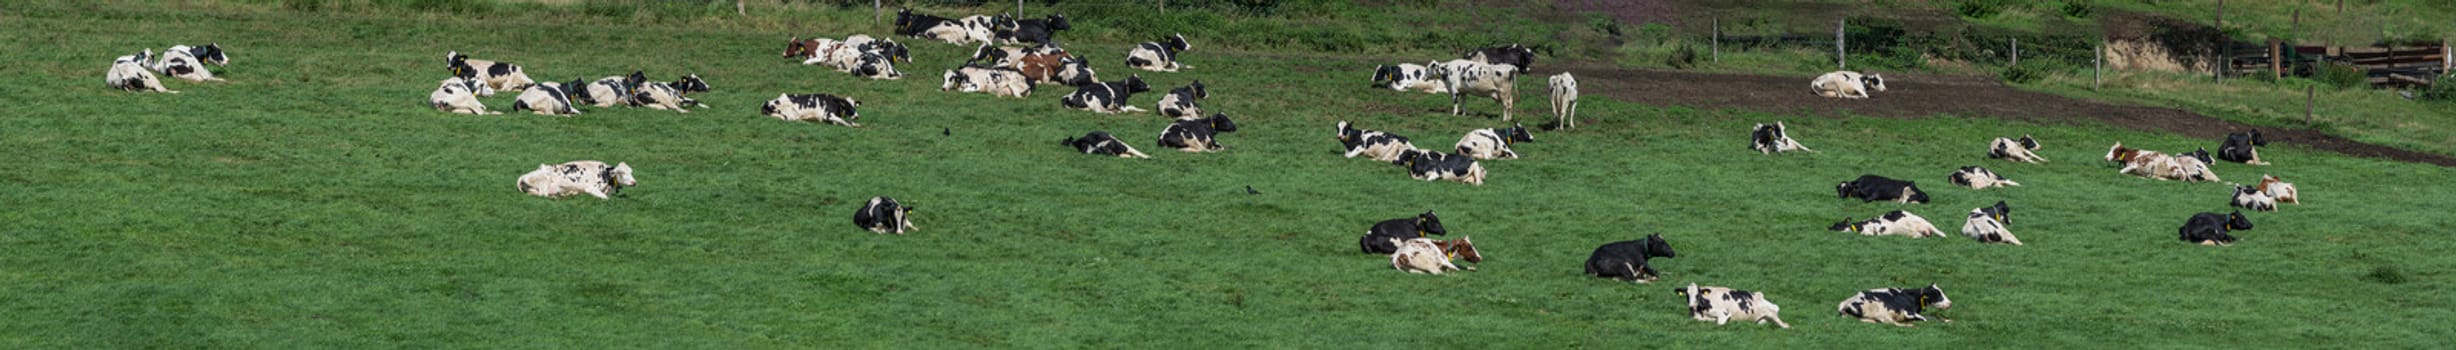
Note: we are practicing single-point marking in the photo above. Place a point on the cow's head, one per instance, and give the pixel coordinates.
(1347, 132)
(1058, 22)
(796, 47)
(986, 52)
(1462, 249)
(1516, 134)
(691, 83)
(1692, 296)
(1846, 225)
(1176, 43)
(1843, 190)
(953, 79)
(1874, 82)
(633, 81)
(2236, 221)
(1384, 75)
(903, 18)
(2118, 153)
(774, 105)
(1933, 296)
(621, 175)
(2202, 154)
(2029, 142)
(1134, 84)
(1656, 247)
(1199, 91)
(1428, 223)
(2256, 139)
(895, 52)
(2000, 212)
(1913, 194)
(459, 66)
(212, 53)
(1220, 122)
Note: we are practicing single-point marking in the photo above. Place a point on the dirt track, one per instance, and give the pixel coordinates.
(1919, 96)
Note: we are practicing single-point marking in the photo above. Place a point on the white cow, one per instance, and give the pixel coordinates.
(1898, 222)
(498, 76)
(1420, 255)
(590, 177)
(995, 81)
(2021, 150)
(1986, 225)
(457, 95)
(1979, 178)
(128, 73)
(1375, 145)
(1565, 100)
(188, 62)
(1498, 81)
(1846, 84)
(2283, 191)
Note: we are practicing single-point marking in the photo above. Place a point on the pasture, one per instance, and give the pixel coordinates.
(315, 201)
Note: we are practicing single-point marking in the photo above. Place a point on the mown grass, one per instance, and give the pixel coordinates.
(315, 202)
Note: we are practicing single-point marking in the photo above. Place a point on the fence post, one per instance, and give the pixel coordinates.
(1018, 10)
(738, 10)
(878, 10)
(1718, 40)
(2309, 94)
(2097, 65)
(2446, 60)
(2225, 47)
(2016, 51)
(1840, 57)
(2276, 59)
(1163, 6)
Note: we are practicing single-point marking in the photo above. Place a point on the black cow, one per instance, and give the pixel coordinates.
(1514, 55)
(1037, 31)
(1100, 142)
(912, 24)
(1627, 260)
(1870, 188)
(1109, 97)
(1377, 240)
(2211, 229)
(884, 215)
(2238, 147)
(1195, 135)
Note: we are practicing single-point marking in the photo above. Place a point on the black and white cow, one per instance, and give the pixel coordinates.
(1564, 89)
(1978, 178)
(814, 107)
(1434, 166)
(458, 95)
(1196, 135)
(548, 98)
(1870, 188)
(1898, 222)
(2213, 229)
(614, 90)
(2022, 150)
(1374, 145)
(1180, 102)
(2250, 197)
(1494, 143)
(932, 27)
(874, 66)
(1159, 56)
(499, 76)
(996, 81)
(1721, 304)
(1986, 225)
(1107, 98)
(1377, 240)
(1472, 78)
(1770, 139)
(189, 62)
(1100, 142)
(1629, 260)
(1036, 31)
(2239, 147)
(884, 215)
(1894, 306)
(593, 178)
(1513, 55)
(128, 73)
(1846, 84)
(997, 56)
(1409, 76)
(668, 96)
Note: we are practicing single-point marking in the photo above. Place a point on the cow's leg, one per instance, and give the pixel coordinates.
(1722, 317)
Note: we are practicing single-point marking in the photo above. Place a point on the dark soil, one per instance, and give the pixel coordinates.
(1920, 96)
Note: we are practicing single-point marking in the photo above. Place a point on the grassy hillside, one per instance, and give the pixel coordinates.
(314, 201)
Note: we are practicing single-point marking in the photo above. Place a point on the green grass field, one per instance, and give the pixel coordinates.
(315, 202)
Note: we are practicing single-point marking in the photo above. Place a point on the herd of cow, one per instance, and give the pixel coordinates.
(1489, 72)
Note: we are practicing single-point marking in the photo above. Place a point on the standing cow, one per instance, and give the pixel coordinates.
(1894, 306)
(1564, 89)
(1628, 260)
(1721, 304)
(1465, 77)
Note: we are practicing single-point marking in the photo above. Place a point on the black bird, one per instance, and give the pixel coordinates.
(1249, 189)
(946, 132)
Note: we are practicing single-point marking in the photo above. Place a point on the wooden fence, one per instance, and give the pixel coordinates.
(2387, 65)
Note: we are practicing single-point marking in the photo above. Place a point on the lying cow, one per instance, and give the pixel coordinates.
(498, 76)
(884, 215)
(2155, 165)
(1771, 139)
(189, 62)
(933, 27)
(1721, 304)
(1100, 142)
(2277, 188)
(2250, 197)
(1408, 76)
(668, 96)
(1564, 91)
(814, 107)
(2212, 229)
(1978, 178)
(2239, 147)
(1382, 238)
(1898, 222)
(547, 98)
(1870, 188)
(1435, 166)
(1374, 145)
(593, 178)
(1465, 77)
(995, 81)
(1514, 55)
(1894, 306)
(1010, 57)
(1057, 68)
(1106, 98)
(1986, 225)
(614, 90)
(458, 95)
(1421, 255)
(1628, 260)
(1846, 84)
(128, 73)
(2022, 150)
(1159, 56)
(1180, 102)
(1035, 31)
(1196, 135)
(1493, 143)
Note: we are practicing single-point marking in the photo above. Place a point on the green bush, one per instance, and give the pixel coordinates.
(1978, 8)
(2342, 76)
(2386, 274)
(1682, 58)
(2023, 74)
(2078, 8)
(2443, 90)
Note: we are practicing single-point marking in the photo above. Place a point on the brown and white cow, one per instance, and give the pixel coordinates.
(1721, 304)
(1421, 255)
(2144, 163)
(2283, 191)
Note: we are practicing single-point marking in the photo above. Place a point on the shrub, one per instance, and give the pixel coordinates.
(2342, 76)
(1978, 8)
(1682, 58)
(2386, 274)
(2078, 8)
(2443, 90)
(2022, 74)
